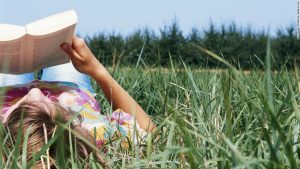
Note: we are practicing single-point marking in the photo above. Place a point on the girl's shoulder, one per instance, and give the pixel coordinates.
(113, 127)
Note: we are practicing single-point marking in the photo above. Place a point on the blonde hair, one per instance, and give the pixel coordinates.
(39, 121)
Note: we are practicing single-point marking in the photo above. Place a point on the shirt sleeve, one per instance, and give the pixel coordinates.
(117, 126)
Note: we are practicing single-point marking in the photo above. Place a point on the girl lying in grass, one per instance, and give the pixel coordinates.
(41, 106)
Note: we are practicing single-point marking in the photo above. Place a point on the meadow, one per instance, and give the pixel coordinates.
(221, 118)
(205, 119)
(213, 119)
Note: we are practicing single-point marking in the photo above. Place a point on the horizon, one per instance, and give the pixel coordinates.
(126, 17)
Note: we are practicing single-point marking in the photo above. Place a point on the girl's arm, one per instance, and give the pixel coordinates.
(85, 62)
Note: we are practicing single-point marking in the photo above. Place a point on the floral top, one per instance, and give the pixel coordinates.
(76, 99)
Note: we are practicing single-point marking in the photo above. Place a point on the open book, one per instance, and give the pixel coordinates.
(37, 45)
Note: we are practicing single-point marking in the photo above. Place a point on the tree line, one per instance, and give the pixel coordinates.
(242, 47)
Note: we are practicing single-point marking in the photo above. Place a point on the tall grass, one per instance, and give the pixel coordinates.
(221, 119)
(225, 119)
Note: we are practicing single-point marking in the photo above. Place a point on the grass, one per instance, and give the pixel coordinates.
(225, 119)
(216, 120)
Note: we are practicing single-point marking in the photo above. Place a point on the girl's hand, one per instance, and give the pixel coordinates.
(81, 56)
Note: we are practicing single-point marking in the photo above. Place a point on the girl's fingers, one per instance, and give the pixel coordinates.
(79, 46)
(70, 52)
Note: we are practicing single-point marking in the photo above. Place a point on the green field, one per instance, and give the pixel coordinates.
(206, 119)
(209, 119)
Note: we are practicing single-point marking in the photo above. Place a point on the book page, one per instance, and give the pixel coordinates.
(12, 49)
(11, 32)
(52, 23)
(45, 51)
(12, 58)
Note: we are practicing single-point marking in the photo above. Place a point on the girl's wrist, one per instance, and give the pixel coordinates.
(93, 68)
(99, 72)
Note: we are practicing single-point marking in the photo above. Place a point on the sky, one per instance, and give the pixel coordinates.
(126, 16)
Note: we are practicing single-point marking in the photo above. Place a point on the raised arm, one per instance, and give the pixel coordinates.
(85, 62)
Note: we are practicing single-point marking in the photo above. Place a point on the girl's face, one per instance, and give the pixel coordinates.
(34, 95)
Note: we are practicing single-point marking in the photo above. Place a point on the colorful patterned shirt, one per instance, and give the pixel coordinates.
(75, 99)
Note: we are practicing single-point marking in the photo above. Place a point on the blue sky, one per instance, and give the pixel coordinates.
(125, 16)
